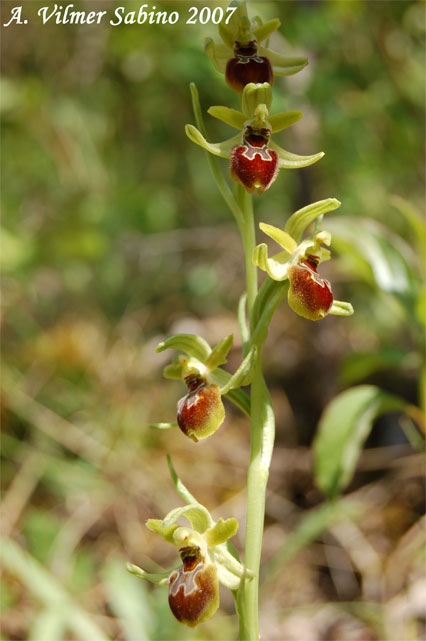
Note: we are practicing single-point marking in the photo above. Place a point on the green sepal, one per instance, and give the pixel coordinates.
(219, 353)
(283, 120)
(264, 30)
(283, 65)
(232, 117)
(281, 237)
(302, 218)
(160, 578)
(222, 149)
(158, 527)
(275, 269)
(255, 95)
(226, 34)
(287, 160)
(219, 54)
(229, 570)
(190, 344)
(163, 426)
(197, 515)
(341, 308)
(221, 532)
(244, 373)
(181, 489)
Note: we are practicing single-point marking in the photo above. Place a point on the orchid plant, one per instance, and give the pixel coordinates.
(206, 555)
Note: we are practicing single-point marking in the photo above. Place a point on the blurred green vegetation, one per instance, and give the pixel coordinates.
(113, 236)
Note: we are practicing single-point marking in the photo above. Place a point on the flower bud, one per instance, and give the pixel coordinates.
(309, 295)
(201, 412)
(194, 588)
(247, 66)
(252, 163)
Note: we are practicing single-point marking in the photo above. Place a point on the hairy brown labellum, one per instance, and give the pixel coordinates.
(194, 588)
(247, 67)
(309, 295)
(252, 163)
(201, 412)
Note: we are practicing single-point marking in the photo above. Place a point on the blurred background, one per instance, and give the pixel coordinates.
(114, 236)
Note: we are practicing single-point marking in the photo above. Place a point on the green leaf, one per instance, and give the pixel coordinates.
(48, 625)
(128, 600)
(190, 344)
(281, 121)
(236, 396)
(389, 261)
(302, 218)
(244, 373)
(219, 353)
(310, 528)
(222, 149)
(232, 117)
(222, 531)
(43, 586)
(342, 431)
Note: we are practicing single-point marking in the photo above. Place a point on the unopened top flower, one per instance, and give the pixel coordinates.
(242, 58)
(255, 157)
(309, 295)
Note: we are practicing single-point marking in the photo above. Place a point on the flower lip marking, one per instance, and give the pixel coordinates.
(252, 163)
(247, 66)
(246, 51)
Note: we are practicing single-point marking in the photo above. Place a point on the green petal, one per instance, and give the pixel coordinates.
(222, 149)
(283, 65)
(274, 269)
(220, 352)
(287, 160)
(158, 527)
(281, 237)
(254, 95)
(302, 218)
(243, 375)
(281, 121)
(161, 578)
(265, 30)
(232, 117)
(174, 371)
(221, 532)
(190, 344)
(341, 308)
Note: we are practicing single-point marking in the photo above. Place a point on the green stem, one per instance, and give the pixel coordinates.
(248, 233)
(261, 445)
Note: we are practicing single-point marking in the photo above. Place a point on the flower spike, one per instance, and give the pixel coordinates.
(309, 295)
(242, 58)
